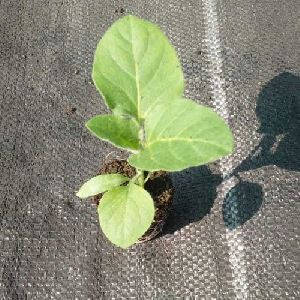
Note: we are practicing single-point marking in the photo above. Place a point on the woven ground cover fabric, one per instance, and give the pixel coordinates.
(233, 230)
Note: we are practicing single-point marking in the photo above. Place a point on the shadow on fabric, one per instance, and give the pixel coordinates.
(195, 192)
(241, 203)
(278, 110)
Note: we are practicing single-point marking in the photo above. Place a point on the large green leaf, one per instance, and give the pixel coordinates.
(100, 184)
(135, 67)
(120, 131)
(181, 135)
(125, 213)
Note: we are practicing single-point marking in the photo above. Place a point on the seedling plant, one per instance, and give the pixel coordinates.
(140, 78)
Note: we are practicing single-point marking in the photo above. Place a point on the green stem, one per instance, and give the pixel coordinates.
(148, 176)
(141, 179)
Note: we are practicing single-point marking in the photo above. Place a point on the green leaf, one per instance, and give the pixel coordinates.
(101, 184)
(136, 67)
(125, 214)
(181, 135)
(119, 131)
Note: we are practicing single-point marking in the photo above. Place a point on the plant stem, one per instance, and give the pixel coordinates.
(141, 179)
(148, 176)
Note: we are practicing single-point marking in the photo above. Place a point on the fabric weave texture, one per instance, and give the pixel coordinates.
(233, 230)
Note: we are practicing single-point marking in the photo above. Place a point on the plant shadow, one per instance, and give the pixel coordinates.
(241, 203)
(278, 110)
(195, 192)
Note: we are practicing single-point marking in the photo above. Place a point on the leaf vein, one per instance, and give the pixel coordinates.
(119, 87)
(189, 140)
(158, 69)
(172, 121)
(120, 67)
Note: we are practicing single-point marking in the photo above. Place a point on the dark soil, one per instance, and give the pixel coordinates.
(71, 110)
(159, 186)
(120, 10)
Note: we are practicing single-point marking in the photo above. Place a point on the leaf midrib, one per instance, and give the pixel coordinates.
(190, 140)
(138, 90)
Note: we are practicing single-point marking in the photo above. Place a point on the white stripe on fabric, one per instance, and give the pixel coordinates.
(234, 237)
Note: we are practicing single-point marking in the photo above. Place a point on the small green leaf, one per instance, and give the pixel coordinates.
(125, 214)
(181, 135)
(136, 67)
(101, 184)
(118, 130)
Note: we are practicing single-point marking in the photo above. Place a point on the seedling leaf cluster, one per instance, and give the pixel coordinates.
(140, 78)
